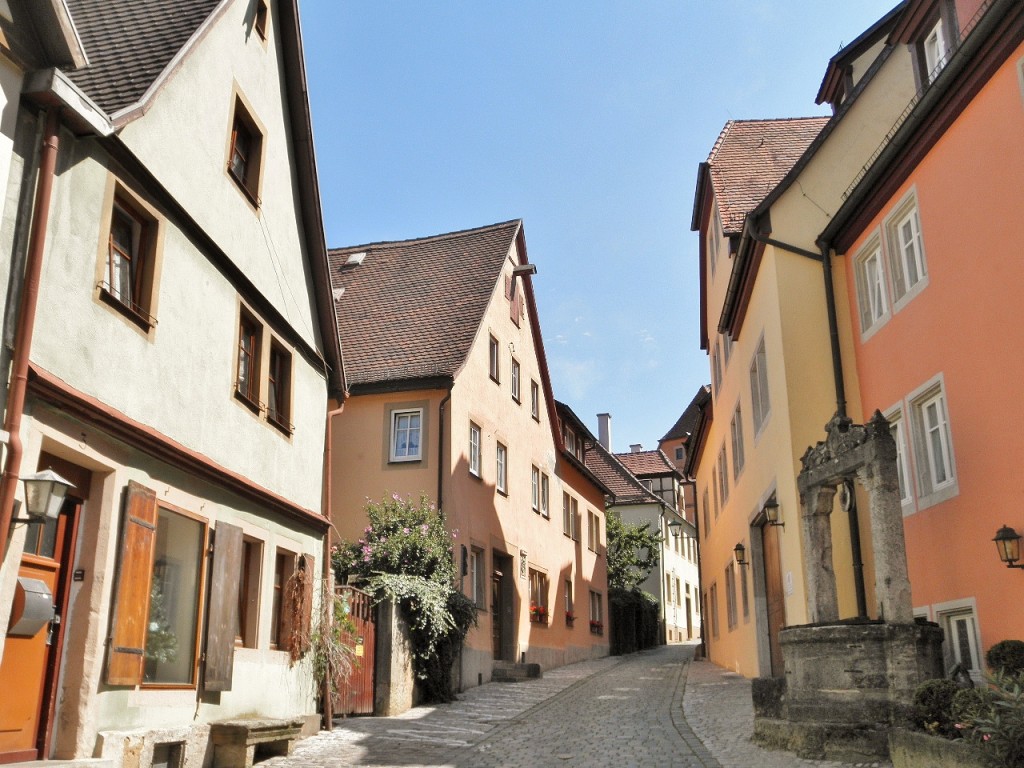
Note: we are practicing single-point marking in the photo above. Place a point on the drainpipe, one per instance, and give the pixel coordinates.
(26, 323)
(440, 446)
(328, 510)
(692, 482)
(833, 330)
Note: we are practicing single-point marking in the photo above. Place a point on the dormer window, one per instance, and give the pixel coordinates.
(259, 22)
(933, 42)
(934, 49)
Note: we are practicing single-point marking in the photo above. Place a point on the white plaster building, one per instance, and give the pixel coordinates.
(183, 353)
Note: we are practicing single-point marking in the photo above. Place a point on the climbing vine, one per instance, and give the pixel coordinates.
(406, 555)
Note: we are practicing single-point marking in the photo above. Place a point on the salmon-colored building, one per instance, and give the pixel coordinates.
(928, 234)
(449, 396)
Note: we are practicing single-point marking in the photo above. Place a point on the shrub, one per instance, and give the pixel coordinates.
(406, 555)
(933, 706)
(970, 704)
(998, 730)
(1006, 656)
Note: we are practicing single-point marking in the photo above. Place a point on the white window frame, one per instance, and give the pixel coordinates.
(723, 474)
(545, 495)
(535, 488)
(896, 243)
(474, 449)
(736, 432)
(396, 415)
(898, 426)
(478, 584)
(761, 404)
(501, 468)
(515, 379)
(946, 616)
(872, 290)
(924, 432)
(936, 50)
(535, 400)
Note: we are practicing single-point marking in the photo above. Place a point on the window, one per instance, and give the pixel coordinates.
(906, 252)
(933, 451)
(566, 515)
(714, 237)
(761, 405)
(284, 567)
(494, 360)
(714, 610)
(502, 469)
(723, 475)
(515, 379)
(895, 419)
(477, 574)
(705, 506)
(249, 593)
(726, 348)
(593, 531)
(736, 430)
(247, 381)
(545, 509)
(474, 449)
(596, 612)
(260, 19)
(715, 486)
(870, 279)
(680, 455)
(538, 597)
(279, 388)
(730, 595)
(961, 646)
(570, 440)
(406, 428)
(716, 367)
(574, 508)
(679, 592)
(569, 603)
(130, 253)
(535, 489)
(245, 154)
(535, 400)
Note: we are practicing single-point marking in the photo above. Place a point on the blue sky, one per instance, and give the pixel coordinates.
(585, 119)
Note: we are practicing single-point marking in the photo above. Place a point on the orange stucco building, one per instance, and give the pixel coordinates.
(932, 278)
(449, 397)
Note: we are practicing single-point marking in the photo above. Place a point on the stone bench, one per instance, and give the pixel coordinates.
(236, 742)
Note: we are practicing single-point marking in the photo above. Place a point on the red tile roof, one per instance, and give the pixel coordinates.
(624, 487)
(751, 157)
(684, 426)
(642, 463)
(412, 308)
(129, 44)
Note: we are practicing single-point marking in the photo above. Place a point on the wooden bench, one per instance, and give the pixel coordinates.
(235, 742)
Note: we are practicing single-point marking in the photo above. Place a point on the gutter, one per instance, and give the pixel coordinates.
(440, 445)
(26, 323)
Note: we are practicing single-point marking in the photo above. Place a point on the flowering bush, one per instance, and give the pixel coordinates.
(405, 554)
(998, 728)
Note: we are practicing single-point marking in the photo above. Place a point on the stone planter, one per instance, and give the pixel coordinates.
(913, 749)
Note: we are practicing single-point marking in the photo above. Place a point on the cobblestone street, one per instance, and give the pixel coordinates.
(656, 708)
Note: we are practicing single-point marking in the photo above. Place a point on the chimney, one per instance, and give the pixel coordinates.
(604, 430)
(635, 448)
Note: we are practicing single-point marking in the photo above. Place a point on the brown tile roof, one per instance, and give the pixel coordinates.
(643, 463)
(624, 487)
(130, 42)
(684, 425)
(412, 308)
(750, 157)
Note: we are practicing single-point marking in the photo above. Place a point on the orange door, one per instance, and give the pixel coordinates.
(775, 597)
(29, 663)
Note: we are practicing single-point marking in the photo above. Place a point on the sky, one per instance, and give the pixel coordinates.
(588, 121)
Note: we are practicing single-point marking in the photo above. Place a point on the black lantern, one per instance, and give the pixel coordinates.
(772, 513)
(741, 554)
(1008, 543)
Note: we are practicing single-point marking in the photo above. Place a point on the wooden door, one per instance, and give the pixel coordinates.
(497, 610)
(775, 597)
(30, 664)
(355, 693)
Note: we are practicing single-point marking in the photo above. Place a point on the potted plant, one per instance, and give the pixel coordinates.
(596, 626)
(570, 617)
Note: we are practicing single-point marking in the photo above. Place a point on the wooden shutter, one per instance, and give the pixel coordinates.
(127, 645)
(222, 618)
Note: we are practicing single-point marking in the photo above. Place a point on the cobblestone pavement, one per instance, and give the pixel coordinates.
(621, 712)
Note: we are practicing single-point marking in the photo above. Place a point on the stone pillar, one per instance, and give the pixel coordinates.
(819, 573)
(892, 582)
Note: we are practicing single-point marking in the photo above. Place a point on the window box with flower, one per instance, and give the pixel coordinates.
(538, 614)
(570, 617)
(596, 627)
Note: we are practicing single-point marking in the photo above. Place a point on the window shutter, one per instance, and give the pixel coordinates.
(222, 618)
(127, 645)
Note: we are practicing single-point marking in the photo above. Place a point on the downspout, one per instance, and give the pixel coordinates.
(328, 511)
(440, 446)
(26, 323)
(692, 482)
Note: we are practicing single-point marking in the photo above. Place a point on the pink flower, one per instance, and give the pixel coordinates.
(986, 737)
(405, 530)
(396, 497)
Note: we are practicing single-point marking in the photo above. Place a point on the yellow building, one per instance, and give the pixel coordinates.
(449, 396)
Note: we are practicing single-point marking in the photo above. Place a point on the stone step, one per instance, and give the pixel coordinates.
(512, 672)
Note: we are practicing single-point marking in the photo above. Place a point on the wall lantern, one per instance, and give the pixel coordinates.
(741, 554)
(44, 496)
(1008, 543)
(772, 512)
(674, 526)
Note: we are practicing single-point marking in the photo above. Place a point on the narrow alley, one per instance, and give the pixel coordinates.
(654, 708)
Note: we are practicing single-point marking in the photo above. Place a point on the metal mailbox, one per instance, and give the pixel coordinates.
(33, 607)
